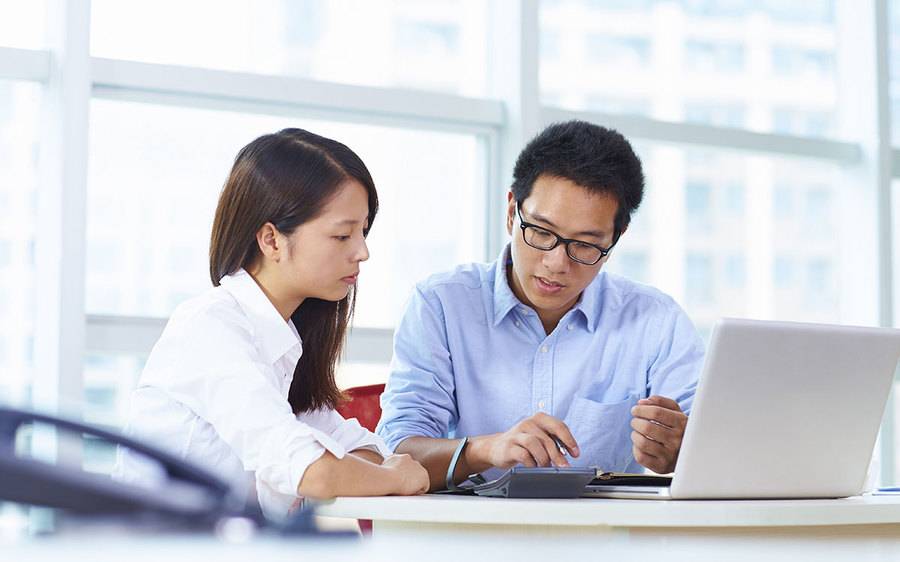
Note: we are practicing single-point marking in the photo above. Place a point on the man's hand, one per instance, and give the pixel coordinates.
(534, 441)
(658, 425)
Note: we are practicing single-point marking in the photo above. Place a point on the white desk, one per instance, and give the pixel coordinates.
(476, 548)
(861, 530)
(872, 517)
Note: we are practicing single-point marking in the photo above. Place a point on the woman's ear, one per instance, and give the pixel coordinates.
(267, 238)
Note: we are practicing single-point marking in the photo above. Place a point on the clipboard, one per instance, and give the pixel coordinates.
(525, 482)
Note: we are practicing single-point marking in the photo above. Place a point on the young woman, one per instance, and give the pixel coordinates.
(242, 379)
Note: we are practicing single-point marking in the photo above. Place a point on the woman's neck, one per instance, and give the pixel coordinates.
(275, 291)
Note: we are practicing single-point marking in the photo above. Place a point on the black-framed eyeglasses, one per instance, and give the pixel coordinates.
(540, 238)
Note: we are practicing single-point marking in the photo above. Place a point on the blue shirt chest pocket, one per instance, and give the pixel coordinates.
(603, 432)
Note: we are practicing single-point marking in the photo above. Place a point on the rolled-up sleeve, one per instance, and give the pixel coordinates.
(676, 369)
(224, 382)
(347, 432)
(419, 397)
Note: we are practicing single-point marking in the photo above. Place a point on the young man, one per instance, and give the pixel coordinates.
(540, 358)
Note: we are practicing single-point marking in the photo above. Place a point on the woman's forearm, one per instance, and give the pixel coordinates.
(369, 455)
(351, 475)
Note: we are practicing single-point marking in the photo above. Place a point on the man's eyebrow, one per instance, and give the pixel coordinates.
(545, 220)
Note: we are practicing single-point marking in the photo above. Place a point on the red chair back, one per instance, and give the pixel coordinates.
(364, 405)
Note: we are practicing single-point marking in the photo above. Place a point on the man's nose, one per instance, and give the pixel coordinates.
(557, 260)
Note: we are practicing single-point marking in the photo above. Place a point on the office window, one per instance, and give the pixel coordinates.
(633, 265)
(624, 5)
(713, 113)
(783, 201)
(784, 272)
(798, 13)
(618, 51)
(717, 8)
(610, 104)
(551, 45)
(733, 202)
(360, 373)
(698, 206)
(792, 62)
(819, 208)
(152, 193)
(803, 123)
(637, 47)
(894, 66)
(438, 45)
(108, 381)
(19, 127)
(700, 280)
(735, 271)
(808, 12)
(22, 24)
(731, 234)
(714, 57)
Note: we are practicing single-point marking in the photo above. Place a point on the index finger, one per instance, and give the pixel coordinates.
(662, 402)
(665, 416)
(558, 429)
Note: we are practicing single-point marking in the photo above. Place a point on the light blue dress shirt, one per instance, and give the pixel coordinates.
(471, 359)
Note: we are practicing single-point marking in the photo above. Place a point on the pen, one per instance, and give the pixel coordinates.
(562, 448)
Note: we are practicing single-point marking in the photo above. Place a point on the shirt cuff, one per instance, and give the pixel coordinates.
(285, 458)
(354, 436)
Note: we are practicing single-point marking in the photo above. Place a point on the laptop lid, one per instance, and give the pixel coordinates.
(786, 410)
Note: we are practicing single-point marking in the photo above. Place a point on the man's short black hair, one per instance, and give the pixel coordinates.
(599, 159)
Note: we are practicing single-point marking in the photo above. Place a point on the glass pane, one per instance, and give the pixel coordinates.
(750, 236)
(435, 45)
(159, 170)
(731, 63)
(894, 62)
(108, 382)
(23, 24)
(360, 373)
(19, 124)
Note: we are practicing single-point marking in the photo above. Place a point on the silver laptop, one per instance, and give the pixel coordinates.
(782, 410)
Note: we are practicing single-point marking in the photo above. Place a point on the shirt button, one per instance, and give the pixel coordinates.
(541, 404)
(570, 327)
(518, 323)
(544, 349)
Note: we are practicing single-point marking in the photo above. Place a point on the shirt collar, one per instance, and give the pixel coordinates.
(589, 303)
(274, 336)
(505, 300)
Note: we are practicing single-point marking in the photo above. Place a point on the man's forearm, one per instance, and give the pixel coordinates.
(435, 454)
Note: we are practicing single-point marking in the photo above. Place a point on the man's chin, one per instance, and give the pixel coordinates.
(546, 303)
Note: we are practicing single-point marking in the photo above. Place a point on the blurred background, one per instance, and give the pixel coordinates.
(766, 130)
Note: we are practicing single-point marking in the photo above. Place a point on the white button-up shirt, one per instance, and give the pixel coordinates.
(214, 391)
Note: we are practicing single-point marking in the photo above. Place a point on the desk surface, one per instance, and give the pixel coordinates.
(866, 510)
(523, 549)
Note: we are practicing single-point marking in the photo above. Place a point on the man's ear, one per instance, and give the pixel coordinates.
(510, 212)
(268, 242)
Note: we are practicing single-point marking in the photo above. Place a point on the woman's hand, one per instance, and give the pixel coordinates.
(411, 477)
